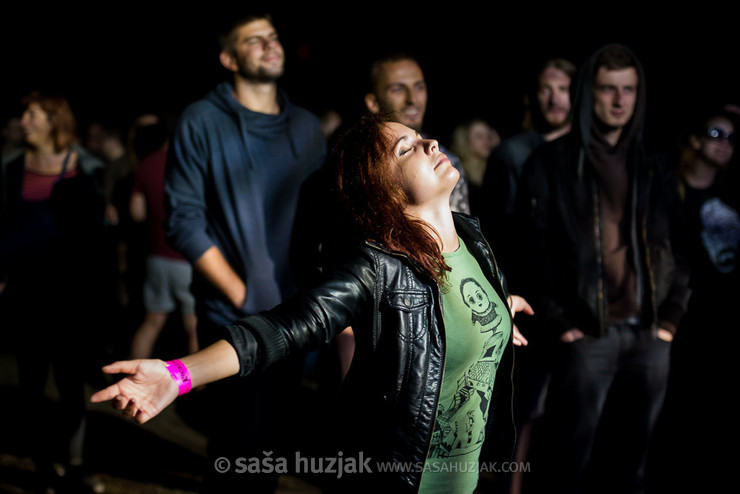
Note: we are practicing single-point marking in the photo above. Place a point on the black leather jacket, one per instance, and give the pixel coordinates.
(390, 395)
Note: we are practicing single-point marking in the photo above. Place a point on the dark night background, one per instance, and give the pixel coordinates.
(118, 60)
(114, 62)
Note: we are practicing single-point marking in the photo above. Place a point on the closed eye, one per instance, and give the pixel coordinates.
(406, 141)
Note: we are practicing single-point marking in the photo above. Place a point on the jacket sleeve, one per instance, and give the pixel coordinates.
(306, 320)
(532, 270)
(672, 308)
(185, 191)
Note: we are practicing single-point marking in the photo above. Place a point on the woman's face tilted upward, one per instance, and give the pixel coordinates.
(423, 172)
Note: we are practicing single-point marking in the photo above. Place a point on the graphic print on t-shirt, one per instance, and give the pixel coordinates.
(461, 419)
(720, 234)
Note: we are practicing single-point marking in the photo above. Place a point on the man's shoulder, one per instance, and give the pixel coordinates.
(200, 108)
(524, 141)
(203, 117)
(562, 147)
(302, 116)
(295, 110)
(88, 161)
(524, 136)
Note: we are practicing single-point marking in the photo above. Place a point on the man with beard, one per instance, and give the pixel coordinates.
(602, 232)
(235, 167)
(547, 118)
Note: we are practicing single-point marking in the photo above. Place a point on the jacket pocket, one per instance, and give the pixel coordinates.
(408, 310)
(405, 319)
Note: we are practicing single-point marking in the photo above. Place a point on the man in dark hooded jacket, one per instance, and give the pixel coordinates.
(235, 167)
(607, 280)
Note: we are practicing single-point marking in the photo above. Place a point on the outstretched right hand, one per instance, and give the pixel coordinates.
(141, 395)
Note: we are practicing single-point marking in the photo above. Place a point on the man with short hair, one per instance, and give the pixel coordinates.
(547, 117)
(604, 268)
(236, 164)
(397, 84)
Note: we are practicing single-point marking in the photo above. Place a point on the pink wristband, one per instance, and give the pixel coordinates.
(180, 374)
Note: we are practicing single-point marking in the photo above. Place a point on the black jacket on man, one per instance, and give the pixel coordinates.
(563, 243)
(560, 231)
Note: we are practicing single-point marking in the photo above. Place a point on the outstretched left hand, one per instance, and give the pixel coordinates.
(144, 393)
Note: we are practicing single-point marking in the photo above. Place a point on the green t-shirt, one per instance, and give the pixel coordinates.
(478, 326)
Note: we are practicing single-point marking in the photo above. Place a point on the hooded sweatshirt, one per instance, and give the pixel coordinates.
(599, 227)
(233, 180)
(611, 169)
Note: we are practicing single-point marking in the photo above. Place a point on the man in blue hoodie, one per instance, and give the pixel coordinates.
(236, 164)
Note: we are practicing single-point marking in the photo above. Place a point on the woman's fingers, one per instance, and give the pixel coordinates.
(121, 367)
(106, 394)
(131, 410)
(519, 339)
(519, 304)
(119, 402)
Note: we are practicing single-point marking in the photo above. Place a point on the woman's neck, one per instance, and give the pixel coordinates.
(440, 219)
(46, 160)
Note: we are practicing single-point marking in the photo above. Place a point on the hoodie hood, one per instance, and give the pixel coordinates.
(582, 97)
(254, 124)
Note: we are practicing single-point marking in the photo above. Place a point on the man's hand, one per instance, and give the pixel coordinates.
(213, 265)
(571, 335)
(665, 335)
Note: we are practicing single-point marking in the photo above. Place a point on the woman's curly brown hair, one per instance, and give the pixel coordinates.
(373, 198)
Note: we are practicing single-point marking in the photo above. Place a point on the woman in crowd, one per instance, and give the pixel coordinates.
(473, 141)
(51, 258)
(428, 392)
